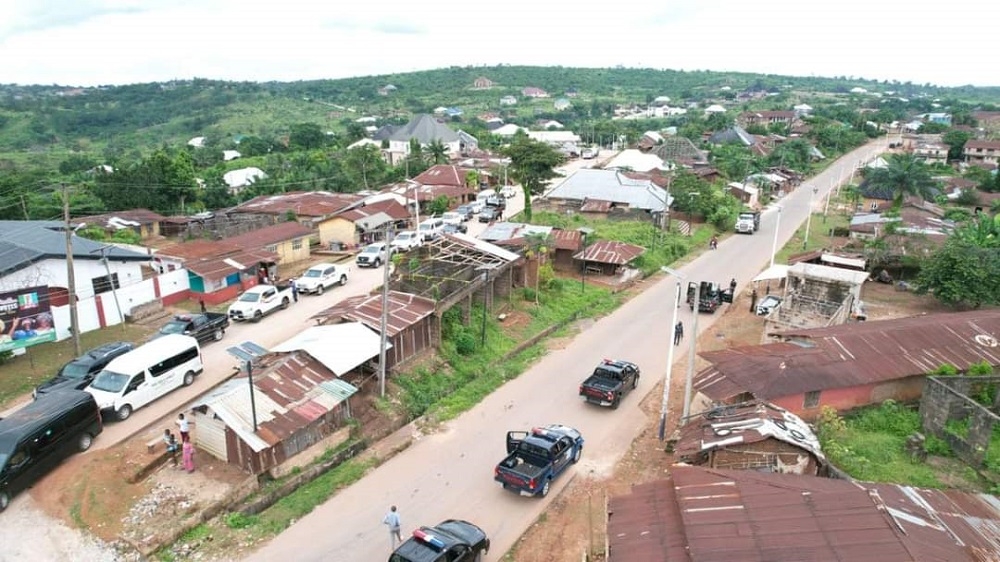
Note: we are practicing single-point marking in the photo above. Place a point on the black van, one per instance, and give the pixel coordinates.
(78, 373)
(36, 438)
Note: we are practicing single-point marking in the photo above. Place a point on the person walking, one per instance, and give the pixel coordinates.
(753, 302)
(678, 333)
(392, 520)
(184, 427)
(188, 449)
(732, 286)
(295, 290)
(202, 303)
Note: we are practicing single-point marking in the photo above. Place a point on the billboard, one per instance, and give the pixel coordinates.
(25, 318)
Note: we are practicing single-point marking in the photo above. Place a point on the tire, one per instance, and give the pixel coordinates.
(616, 402)
(479, 557)
(86, 440)
(188, 378)
(635, 382)
(257, 315)
(343, 280)
(545, 488)
(124, 412)
(217, 335)
(577, 454)
(284, 303)
(4, 500)
(320, 289)
(378, 262)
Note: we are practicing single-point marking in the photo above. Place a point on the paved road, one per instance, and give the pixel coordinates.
(450, 474)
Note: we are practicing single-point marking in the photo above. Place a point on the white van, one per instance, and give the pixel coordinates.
(430, 229)
(146, 373)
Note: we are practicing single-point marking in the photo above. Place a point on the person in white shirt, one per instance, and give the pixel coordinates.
(392, 520)
(184, 427)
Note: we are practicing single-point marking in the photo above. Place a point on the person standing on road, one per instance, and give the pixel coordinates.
(184, 426)
(753, 302)
(678, 333)
(392, 520)
(295, 290)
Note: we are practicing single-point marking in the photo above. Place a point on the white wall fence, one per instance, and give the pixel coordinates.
(99, 311)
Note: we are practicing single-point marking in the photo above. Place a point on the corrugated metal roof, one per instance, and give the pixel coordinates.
(281, 232)
(302, 203)
(214, 259)
(853, 354)
(612, 185)
(595, 206)
(339, 347)
(828, 273)
(290, 390)
(610, 251)
(746, 516)
(405, 310)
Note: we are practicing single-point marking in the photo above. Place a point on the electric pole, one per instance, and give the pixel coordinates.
(74, 320)
(111, 281)
(383, 326)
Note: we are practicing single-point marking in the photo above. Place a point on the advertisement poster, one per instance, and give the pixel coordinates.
(25, 318)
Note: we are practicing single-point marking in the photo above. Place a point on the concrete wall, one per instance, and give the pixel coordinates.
(946, 399)
(337, 229)
(844, 399)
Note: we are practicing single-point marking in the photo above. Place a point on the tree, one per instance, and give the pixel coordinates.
(437, 152)
(955, 140)
(962, 274)
(904, 174)
(532, 164)
(365, 161)
(307, 136)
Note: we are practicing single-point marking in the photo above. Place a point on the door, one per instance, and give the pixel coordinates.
(211, 436)
(137, 392)
(562, 452)
(514, 438)
(692, 291)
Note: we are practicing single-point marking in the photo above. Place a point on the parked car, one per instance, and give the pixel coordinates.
(452, 217)
(590, 153)
(257, 302)
(374, 255)
(79, 372)
(36, 438)
(609, 382)
(537, 457)
(202, 327)
(490, 214)
(466, 211)
(453, 228)
(405, 241)
(430, 229)
(320, 277)
(508, 191)
(453, 540)
(476, 206)
(767, 304)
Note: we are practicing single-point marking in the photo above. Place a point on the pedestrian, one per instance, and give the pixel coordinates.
(713, 243)
(295, 290)
(172, 448)
(392, 520)
(753, 302)
(184, 426)
(188, 449)
(732, 286)
(166, 437)
(678, 333)
(203, 309)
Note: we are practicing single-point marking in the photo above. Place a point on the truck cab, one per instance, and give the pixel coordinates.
(748, 222)
(535, 458)
(710, 296)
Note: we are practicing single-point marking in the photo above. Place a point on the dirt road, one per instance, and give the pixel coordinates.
(449, 474)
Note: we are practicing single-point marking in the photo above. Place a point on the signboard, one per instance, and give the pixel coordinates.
(25, 318)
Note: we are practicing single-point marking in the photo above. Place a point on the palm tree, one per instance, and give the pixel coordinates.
(904, 174)
(437, 152)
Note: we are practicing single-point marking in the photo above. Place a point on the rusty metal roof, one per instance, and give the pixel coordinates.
(744, 424)
(302, 203)
(141, 216)
(405, 310)
(748, 516)
(390, 207)
(853, 354)
(595, 206)
(262, 237)
(216, 259)
(610, 251)
(442, 174)
(290, 391)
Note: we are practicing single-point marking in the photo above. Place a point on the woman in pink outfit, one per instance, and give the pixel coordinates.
(188, 456)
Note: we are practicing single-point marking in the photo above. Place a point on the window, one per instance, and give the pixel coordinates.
(272, 248)
(297, 244)
(103, 284)
(173, 362)
(811, 400)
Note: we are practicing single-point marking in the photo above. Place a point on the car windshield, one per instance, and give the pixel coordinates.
(404, 236)
(372, 250)
(109, 381)
(313, 273)
(75, 370)
(249, 297)
(427, 227)
(175, 327)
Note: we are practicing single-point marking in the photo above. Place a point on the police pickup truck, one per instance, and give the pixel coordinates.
(610, 381)
(453, 540)
(537, 457)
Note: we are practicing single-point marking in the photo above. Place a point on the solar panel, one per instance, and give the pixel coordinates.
(253, 348)
(240, 354)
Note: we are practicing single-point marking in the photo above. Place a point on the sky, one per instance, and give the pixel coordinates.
(105, 42)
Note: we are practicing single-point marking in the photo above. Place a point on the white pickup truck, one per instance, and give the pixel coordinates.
(320, 277)
(259, 301)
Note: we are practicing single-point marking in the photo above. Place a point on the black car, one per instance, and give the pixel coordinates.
(453, 228)
(78, 373)
(453, 540)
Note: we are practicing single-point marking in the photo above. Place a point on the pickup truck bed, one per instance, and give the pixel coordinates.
(609, 382)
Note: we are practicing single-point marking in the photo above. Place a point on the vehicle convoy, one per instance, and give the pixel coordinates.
(453, 217)
(710, 296)
(202, 327)
(405, 241)
(321, 277)
(374, 255)
(78, 373)
(748, 222)
(453, 540)
(537, 457)
(36, 438)
(611, 380)
(259, 301)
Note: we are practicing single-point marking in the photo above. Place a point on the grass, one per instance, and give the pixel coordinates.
(21, 374)
(820, 235)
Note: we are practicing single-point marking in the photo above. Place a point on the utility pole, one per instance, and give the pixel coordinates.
(383, 326)
(24, 208)
(111, 281)
(74, 320)
(688, 381)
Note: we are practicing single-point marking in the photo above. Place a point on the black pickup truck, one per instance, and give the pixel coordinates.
(611, 380)
(710, 296)
(203, 327)
(537, 457)
(453, 540)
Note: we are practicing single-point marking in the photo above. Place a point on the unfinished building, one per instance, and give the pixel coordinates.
(816, 296)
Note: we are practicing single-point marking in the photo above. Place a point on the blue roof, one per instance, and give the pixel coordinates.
(23, 243)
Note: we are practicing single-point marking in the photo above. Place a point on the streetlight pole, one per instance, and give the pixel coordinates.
(384, 321)
(809, 216)
(664, 406)
(774, 245)
(688, 381)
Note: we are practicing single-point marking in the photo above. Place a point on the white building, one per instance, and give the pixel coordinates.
(238, 179)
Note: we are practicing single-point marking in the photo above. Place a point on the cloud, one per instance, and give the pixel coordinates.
(398, 28)
(41, 15)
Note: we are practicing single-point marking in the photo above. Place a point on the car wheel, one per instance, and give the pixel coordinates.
(479, 557)
(86, 440)
(378, 262)
(635, 382)
(343, 280)
(616, 402)
(124, 412)
(4, 500)
(284, 303)
(576, 454)
(188, 378)
(320, 289)
(257, 315)
(217, 335)
(545, 488)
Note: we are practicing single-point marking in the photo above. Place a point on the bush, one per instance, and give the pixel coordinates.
(237, 520)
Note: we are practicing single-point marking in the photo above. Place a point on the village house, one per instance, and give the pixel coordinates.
(931, 153)
(217, 270)
(607, 257)
(310, 208)
(143, 222)
(425, 129)
(766, 118)
(297, 402)
(443, 180)
(482, 83)
(608, 191)
(533, 92)
(238, 180)
(849, 365)
(753, 436)
(700, 514)
(361, 224)
(289, 240)
(987, 151)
